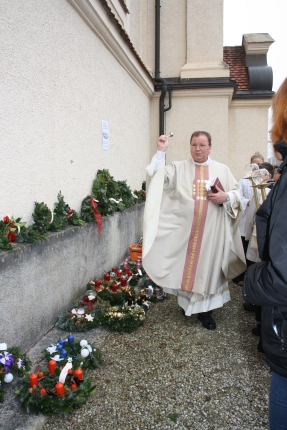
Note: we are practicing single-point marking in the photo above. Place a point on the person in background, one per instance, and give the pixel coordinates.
(246, 193)
(191, 242)
(265, 282)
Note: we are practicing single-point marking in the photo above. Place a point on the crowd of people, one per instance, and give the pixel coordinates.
(203, 228)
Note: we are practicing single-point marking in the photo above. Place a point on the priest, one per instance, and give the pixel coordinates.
(191, 241)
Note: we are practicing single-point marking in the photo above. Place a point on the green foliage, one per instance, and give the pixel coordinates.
(104, 187)
(21, 365)
(60, 220)
(69, 321)
(173, 417)
(50, 403)
(30, 235)
(74, 218)
(141, 194)
(118, 298)
(42, 217)
(9, 232)
(87, 210)
(4, 242)
(123, 319)
(124, 192)
(64, 215)
(112, 196)
(76, 392)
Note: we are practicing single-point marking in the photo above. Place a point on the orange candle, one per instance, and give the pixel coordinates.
(52, 366)
(60, 389)
(33, 380)
(79, 374)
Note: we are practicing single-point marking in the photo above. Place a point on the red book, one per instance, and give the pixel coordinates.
(212, 184)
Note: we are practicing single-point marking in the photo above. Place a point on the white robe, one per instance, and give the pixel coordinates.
(168, 220)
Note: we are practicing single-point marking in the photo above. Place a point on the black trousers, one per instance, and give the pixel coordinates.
(240, 277)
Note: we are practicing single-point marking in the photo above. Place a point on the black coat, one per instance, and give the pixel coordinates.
(265, 283)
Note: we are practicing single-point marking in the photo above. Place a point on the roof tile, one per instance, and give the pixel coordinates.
(234, 56)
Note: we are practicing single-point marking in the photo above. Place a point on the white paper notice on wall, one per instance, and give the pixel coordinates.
(105, 135)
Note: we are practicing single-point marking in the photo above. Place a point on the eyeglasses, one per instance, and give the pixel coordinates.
(201, 146)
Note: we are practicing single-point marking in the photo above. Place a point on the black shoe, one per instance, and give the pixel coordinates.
(257, 330)
(249, 307)
(207, 320)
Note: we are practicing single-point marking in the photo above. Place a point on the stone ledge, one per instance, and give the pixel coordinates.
(39, 281)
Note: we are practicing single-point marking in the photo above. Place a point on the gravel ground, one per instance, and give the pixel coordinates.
(170, 374)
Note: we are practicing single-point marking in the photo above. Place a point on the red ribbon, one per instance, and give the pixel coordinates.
(97, 215)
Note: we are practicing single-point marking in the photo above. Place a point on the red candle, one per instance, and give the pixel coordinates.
(114, 269)
(52, 366)
(33, 380)
(60, 389)
(106, 277)
(79, 374)
(126, 270)
(97, 283)
(130, 273)
(114, 287)
(119, 274)
(123, 282)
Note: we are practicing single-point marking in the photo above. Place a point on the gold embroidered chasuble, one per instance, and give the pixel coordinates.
(190, 245)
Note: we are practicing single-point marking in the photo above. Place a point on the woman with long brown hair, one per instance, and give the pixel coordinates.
(265, 283)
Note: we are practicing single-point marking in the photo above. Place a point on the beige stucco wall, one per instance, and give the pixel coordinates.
(58, 81)
(204, 30)
(191, 36)
(248, 132)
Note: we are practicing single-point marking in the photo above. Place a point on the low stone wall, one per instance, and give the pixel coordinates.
(40, 281)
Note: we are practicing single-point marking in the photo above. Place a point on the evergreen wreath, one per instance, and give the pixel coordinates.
(41, 394)
(124, 318)
(64, 215)
(111, 196)
(88, 319)
(8, 231)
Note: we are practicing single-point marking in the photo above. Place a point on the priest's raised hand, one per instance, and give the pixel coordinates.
(162, 143)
